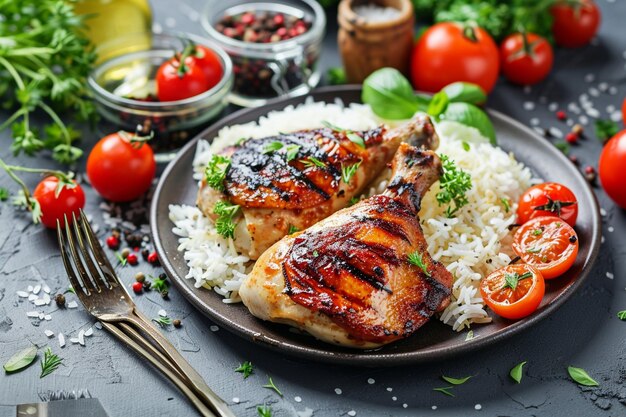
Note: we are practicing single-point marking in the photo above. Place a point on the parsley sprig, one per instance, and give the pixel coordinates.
(49, 363)
(246, 369)
(215, 172)
(454, 183)
(270, 384)
(416, 259)
(226, 212)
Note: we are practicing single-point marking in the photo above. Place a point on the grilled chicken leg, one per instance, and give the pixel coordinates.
(363, 276)
(291, 181)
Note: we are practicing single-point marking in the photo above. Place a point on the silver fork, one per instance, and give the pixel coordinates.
(99, 289)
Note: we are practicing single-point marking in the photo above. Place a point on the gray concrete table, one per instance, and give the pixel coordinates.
(585, 332)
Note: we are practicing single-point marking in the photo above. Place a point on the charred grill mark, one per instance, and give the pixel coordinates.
(390, 227)
(370, 279)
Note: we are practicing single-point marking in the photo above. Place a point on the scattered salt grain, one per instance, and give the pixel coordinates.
(40, 302)
(22, 294)
(371, 381)
(613, 90)
(590, 78)
(584, 120)
(61, 340)
(603, 87)
(610, 275)
(352, 413)
(375, 13)
(162, 313)
(616, 116)
(30, 288)
(610, 229)
(591, 112)
(32, 314)
(81, 337)
(434, 407)
(297, 399)
(556, 132)
(214, 328)
(48, 333)
(338, 391)
(389, 389)
(98, 325)
(602, 212)
(72, 304)
(602, 239)
(89, 332)
(236, 400)
(405, 405)
(41, 316)
(74, 340)
(47, 317)
(593, 92)
(32, 297)
(529, 105)
(37, 289)
(46, 298)
(478, 407)
(394, 398)
(553, 106)
(535, 121)
(46, 289)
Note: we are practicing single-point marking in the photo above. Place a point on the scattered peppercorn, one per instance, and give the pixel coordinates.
(137, 287)
(177, 323)
(145, 253)
(590, 170)
(590, 174)
(165, 294)
(578, 129)
(140, 277)
(113, 242)
(163, 276)
(561, 115)
(133, 239)
(116, 232)
(132, 259)
(153, 258)
(125, 252)
(574, 159)
(60, 300)
(571, 138)
(147, 285)
(262, 27)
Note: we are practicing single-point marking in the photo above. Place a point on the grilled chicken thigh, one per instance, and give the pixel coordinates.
(363, 276)
(293, 180)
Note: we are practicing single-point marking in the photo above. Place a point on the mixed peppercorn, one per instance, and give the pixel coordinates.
(262, 26)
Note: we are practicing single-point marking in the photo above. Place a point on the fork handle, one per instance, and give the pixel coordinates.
(191, 395)
(196, 381)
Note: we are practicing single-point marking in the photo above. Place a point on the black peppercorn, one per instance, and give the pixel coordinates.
(60, 300)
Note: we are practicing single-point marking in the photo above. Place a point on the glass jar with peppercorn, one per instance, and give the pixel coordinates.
(274, 46)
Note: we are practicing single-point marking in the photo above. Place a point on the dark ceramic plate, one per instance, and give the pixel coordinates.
(435, 340)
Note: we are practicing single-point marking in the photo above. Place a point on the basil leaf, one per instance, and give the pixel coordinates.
(21, 359)
(470, 115)
(465, 93)
(622, 315)
(438, 104)
(516, 372)
(580, 376)
(455, 381)
(390, 95)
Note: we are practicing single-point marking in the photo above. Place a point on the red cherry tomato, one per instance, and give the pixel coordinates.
(137, 287)
(449, 52)
(514, 291)
(172, 86)
(53, 207)
(210, 63)
(120, 170)
(575, 24)
(526, 61)
(611, 168)
(548, 199)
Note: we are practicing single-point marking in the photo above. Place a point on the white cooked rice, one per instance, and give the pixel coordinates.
(471, 245)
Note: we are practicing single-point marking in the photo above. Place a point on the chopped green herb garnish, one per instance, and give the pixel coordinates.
(246, 369)
(264, 411)
(120, 258)
(470, 335)
(445, 390)
(512, 280)
(347, 172)
(240, 141)
(163, 321)
(4, 194)
(356, 139)
(537, 232)
(273, 147)
(622, 315)
(455, 381)
(224, 223)
(533, 250)
(215, 172)
(21, 360)
(466, 146)
(415, 258)
(316, 254)
(606, 129)
(353, 201)
(291, 152)
(273, 386)
(313, 161)
(516, 372)
(454, 183)
(292, 229)
(336, 76)
(333, 127)
(49, 363)
(160, 284)
(506, 203)
(563, 147)
(580, 376)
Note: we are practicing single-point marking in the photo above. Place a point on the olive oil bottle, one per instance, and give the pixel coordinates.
(116, 27)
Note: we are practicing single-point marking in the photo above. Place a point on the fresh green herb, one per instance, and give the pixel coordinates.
(46, 59)
(273, 147)
(4, 194)
(466, 146)
(563, 147)
(240, 141)
(356, 139)
(291, 152)
(438, 104)
(122, 261)
(606, 129)
(160, 283)
(533, 250)
(292, 229)
(224, 223)
(70, 289)
(506, 203)
(472, 116)
(462, 92)
(516, 372)
(537, 232)
(246, 369)
(316, 254)
(353, 201)
(455, 381)
(454, 183)
(470, 335)
(415, 258)
(313, 161)
(215, 172)
(264, 411)
(163, 321)
(580, 376)
(558, 224)
(21, 360)
(273, 386)
(49, 363)
(445, 390)
(347, 172)
(391, 96)
(512, 280)
(336, 76)
(622, 315)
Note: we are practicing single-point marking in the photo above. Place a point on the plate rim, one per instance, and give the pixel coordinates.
(365, 358)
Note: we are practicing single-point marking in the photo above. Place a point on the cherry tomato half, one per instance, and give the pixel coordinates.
(449, 52)
(575, 23)
(611, 168)
(210, 64)
(526, 58)
(120, 170)
(547, 243)
(55, 207)
(548, 199)
(172, 86)
(514, 291)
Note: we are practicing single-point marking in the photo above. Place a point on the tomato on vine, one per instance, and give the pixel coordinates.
(526, 58)
(180, 77)
(210, 64)
(57, 199)
(548, 199)
(576, 22)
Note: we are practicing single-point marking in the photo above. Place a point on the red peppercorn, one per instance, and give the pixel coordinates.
(247, 18)
(132, 259)
(589, 169)
(571, 138)
(137, 287)
(113, 242)
(153, 258)
(279, 19)
(281, 32)
(561, 115)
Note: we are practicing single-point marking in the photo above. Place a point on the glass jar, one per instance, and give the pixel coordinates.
(267, 70)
